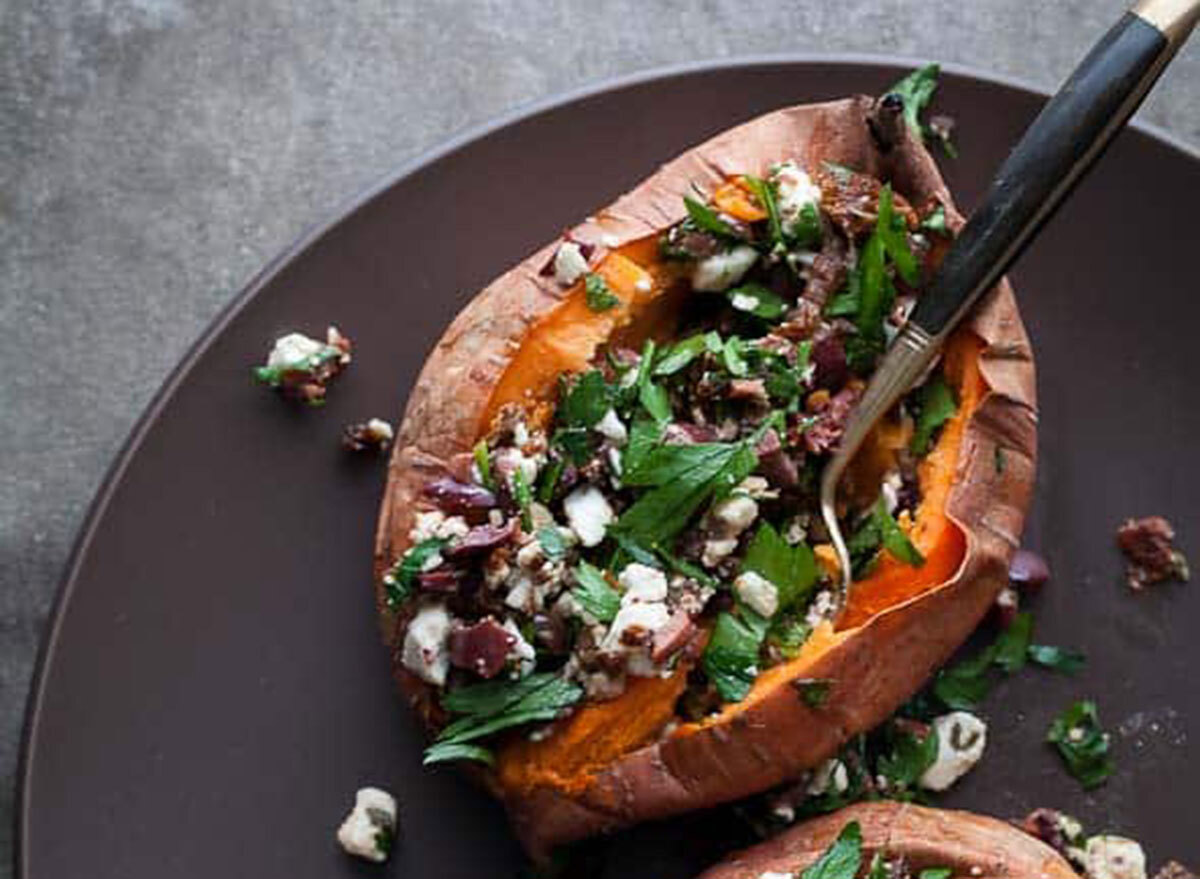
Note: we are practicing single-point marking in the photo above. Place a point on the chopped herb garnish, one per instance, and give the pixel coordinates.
(399, 582)
(548, 480)
(708, 220)
(964, 685)
(682, 478)
(841, 860)
(483, 463)
(917, 90)
(594, 594)
(654, 398)
(679, 355)
(880, 531)
(1000, 460)
(731, 657)
(764, 191)
(936, 221)
(1082, 743)
(732, 354)
(551, 541)
(583, 402)
(757, 300)
(893, 231)
(935, 405)
(597, 293)
(791, 569)
(444, 752)
(908, 759)
(493, 706)
(524, 498)
(1062, 659)
(935, 873)
(813, 691)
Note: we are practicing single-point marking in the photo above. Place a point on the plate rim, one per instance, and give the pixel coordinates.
(329, 220)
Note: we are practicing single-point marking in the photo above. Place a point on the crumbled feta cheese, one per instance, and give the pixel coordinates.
(1113, 857)
(890, 490)
(756, 487)
(588, 513)
(510, 461)
(642, 583)
(522, 653)
(773, 874)
(370, 828)
(821, 609)
(722, 270)
(425, 651)
(794, 189)
(530, 555)
(611, 427)
(830, 775)
(632, 633)
(757, 592)
(785, 812)
(522, 596)
(382, 429)
(734, 514)
(569, 264)
(796, 531)
(429, 524)
(520, 434)
(293, 350)
(961, 739)
(716, 550)
(615, 464)
(643, 285)
(744, 301)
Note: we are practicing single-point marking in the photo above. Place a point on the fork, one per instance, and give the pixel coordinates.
(1057, 149)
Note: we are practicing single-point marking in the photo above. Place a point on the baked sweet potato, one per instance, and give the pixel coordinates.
(917, 837)
(653, 747)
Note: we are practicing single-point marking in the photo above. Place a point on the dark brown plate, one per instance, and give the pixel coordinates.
(213, 688)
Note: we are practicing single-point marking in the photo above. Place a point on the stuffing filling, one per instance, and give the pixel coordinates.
(667, 513)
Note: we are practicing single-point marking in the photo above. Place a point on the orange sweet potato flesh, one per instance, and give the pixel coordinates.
(617, 763)
(969, 845)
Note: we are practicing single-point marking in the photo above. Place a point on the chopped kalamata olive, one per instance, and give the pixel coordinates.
(482, 648)
(550, 632)
(1150, 555)
(1050, 827)
(481, 539)
(442, 579)
(459, 498)
(685, 433)
(826, 431)
(672, 637)
(749, 390)
(800, 322)
(828, 272)
(1028, 570)
(774, 463)
(828, 357)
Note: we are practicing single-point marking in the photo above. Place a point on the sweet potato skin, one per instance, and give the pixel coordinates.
(969, 844)
(780, 735)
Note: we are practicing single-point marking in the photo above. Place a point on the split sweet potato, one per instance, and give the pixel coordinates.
(616, 763)
(921, 838)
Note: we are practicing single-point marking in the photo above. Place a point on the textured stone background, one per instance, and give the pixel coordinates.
(155, 153)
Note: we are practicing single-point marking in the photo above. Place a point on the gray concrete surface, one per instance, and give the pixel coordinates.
(154, 153)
